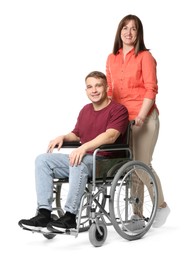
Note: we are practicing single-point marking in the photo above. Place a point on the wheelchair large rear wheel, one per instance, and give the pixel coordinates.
(133, 200)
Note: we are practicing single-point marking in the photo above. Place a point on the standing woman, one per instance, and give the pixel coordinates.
(132, 80)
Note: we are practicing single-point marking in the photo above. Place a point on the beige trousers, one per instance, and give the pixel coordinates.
(143, 143)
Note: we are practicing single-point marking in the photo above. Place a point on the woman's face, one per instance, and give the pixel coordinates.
(129, 33)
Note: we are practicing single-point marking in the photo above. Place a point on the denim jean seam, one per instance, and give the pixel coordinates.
(75, 199)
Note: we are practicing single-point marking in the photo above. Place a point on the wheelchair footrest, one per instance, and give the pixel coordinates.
(45, 231)
(72, 232)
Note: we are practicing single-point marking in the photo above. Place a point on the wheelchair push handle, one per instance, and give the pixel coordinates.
(132, 122)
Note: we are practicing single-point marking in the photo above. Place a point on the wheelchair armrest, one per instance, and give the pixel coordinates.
(113, 146)
(73, 144)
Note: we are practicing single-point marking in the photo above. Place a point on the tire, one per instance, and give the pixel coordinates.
(125, 199)
(95, 237)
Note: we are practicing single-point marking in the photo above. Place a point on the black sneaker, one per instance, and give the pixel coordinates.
(68, 221)
(36, 223)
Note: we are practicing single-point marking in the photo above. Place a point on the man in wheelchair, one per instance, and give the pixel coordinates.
(102, 121)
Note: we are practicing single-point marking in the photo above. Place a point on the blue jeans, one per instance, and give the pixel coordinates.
(49, 166)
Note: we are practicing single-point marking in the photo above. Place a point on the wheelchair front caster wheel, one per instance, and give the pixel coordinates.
(97, 234)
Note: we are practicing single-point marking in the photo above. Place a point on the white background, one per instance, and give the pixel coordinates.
(46, 50)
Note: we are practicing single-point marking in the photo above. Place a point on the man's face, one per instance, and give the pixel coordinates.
(96, 90)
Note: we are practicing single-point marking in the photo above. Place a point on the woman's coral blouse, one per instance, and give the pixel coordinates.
(131, 80)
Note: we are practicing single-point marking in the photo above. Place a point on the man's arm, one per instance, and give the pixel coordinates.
(108, 137)
(58, 141)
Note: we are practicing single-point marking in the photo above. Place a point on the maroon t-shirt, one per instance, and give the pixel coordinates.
(91, 123)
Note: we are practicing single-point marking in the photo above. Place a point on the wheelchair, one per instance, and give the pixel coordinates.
(112, 196)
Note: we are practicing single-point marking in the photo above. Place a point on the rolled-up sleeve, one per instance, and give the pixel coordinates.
(149, 75)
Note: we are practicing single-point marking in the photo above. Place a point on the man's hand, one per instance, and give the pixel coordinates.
(58, 141)
(76, 156)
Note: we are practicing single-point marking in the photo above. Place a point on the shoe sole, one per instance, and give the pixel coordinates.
(31, 228)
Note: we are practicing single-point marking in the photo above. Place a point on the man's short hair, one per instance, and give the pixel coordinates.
(97, 75)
